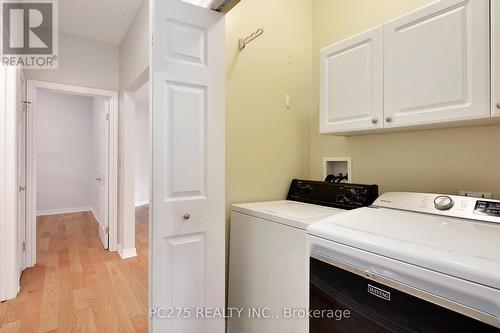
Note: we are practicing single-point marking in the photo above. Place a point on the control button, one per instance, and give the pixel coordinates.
(443, 202)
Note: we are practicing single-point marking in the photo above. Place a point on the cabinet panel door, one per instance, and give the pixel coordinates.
(436, 64)
(495, 61)
(352, 84)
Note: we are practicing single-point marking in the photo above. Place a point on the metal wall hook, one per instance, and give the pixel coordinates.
(243, 42)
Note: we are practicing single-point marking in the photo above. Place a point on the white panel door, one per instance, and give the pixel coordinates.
(103, 172)
(436, 64)
(188, 217)
(9, 236)
(495, 61)
(22, 109)
(352, 83)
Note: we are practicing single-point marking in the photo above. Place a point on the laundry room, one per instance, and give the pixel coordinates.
(392, 100)
(269, 143)
(250, 166)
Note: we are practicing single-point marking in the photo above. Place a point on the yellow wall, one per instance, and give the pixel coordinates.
(444, 160)
(268, 145)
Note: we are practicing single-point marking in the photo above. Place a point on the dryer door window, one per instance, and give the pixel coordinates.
(375, 308)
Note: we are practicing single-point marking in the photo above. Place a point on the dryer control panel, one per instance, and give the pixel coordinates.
(337, 195)
(442, 204)
(488, 208)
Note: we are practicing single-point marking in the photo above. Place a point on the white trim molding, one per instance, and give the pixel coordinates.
(33, 87)
(63, 211)
(127, 253)
(142, 203)
(9, 279)
(95, 215)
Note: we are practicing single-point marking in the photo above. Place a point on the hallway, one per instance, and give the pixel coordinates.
(77, 286)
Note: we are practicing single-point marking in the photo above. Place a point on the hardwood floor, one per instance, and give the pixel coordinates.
(77, 286)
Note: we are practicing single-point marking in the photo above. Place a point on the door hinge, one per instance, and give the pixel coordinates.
(107, 116)
(24, 246)
(107, 230)
(25, 104)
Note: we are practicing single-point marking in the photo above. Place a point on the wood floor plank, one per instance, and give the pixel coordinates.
(11, 327)
(3, 311)
(77, 286)
(49, 307)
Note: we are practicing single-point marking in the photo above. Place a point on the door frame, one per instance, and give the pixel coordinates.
(21, 82)
(9, 284)
(32, 92)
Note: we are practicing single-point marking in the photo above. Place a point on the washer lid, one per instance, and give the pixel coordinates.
(292, 213)
(462, 248)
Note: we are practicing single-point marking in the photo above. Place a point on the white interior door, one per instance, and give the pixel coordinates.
(188, 218)
(102, 174)
(437, 64)
(21, 170)
(10, 247)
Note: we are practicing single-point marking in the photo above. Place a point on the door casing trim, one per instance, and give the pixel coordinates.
(32, 92)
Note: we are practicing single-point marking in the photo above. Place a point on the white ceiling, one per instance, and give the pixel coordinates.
(103, 20)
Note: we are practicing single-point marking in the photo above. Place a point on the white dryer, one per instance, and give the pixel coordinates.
(412, 262)
(268, 254)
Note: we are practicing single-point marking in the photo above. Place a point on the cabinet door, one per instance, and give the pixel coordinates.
(495, 61)
(436, 64)
(352, 84)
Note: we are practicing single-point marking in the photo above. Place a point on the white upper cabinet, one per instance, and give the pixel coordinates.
(436, 64)
(495, 53)
(352, 84)
(428, 68)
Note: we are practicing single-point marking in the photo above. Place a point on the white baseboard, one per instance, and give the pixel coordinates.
(95, 215)
(142, 203)
(63, 211)
(126, 253)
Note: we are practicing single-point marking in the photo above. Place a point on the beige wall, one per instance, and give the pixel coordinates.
(444, 160)
(82, 62)
(267, 145)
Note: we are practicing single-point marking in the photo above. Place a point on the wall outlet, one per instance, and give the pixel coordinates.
(484, 195)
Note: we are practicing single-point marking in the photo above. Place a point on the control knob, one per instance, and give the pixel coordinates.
(443, 202)
(350, 195)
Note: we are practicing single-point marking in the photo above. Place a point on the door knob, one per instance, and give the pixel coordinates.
(187, 216)
(388, 119)
(22, 188)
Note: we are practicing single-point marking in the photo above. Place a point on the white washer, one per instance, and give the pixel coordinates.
(268, 254)
(411, 262)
